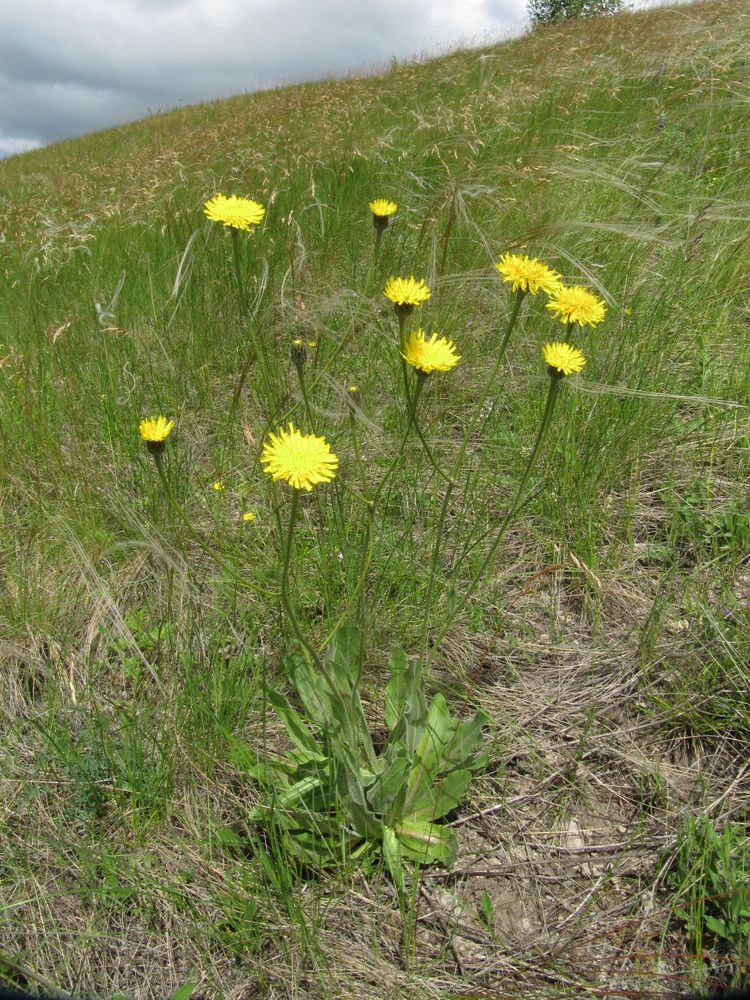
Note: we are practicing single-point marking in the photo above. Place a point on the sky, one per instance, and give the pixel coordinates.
(73, 66)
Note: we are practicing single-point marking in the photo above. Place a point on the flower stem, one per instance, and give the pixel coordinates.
(401, 325)
(355, 705)
(287, 552)
(456, 465)
(412, 411)
(430, 456)
(373, 261)
(554, 385)
(253, 352)
(366, 560)
(303, 387)
(238, 269)
(357, 453)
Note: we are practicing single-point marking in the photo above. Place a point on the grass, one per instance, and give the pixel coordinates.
(609, 643)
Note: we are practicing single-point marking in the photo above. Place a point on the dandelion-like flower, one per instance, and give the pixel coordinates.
(527, 274)
(155, 431)
(382, 207)
(301, 459)
(563, 359)
(155, 428)
(249, 515)
(575, 304)
(428, 355)
(237, 213)
(219, 486)
(405, 293)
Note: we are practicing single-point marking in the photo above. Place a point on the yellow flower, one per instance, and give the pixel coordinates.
(528, 274)
(248, 516)
(301, 459)
(383, 207)
(575, 304)
(219, 486)
(238, 213)
(434, 355)
(312, 343)
(155, 429)
(563, 359)
(406, 291)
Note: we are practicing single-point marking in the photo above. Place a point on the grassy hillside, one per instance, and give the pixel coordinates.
(608, 640)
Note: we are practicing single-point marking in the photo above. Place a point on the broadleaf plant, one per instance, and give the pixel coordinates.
(332, 795)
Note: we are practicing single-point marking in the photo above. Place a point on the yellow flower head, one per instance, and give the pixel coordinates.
(406, 291)
(301, 459)
(434, 355)
(383, 207)
(155, 429)
(563, 359)
(238, 213)
(527, 274)
(249, 515)
(219, 486)
(575, 304)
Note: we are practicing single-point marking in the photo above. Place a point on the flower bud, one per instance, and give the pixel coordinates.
(298, 352)
(353, 398)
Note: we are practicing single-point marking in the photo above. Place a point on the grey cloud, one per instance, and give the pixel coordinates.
(101, 62)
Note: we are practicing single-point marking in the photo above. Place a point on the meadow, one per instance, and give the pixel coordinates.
(580, 608)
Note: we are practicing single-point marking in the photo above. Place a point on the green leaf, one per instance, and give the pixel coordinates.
(291, 798)
(466, 740)
(716, 926)
(437, 735)
(311, 848)
(438, 798)
(342, 656)
(395, 690)
(427, 842)
(184, 992)
(312, 690)
(451, 603)
(487, 909)
(364, 820)
(393, 860)
(404, 700)
(299, 734)
(390, 782)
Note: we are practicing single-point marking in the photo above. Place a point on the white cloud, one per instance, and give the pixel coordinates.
(9, 145)
(70, 67)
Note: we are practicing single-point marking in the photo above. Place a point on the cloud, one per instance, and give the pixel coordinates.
(10, 145)
(71, 68)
